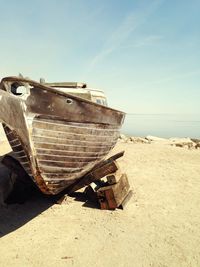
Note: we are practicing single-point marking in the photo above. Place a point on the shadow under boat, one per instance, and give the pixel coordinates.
(26, 201)
(22, 204)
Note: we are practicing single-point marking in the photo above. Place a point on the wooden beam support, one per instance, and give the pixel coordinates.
(112, 196)
(102, 169)
(114, 178)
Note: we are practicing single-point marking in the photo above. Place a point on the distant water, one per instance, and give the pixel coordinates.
(163, 125)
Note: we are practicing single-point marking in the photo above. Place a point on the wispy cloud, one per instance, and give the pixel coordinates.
(146, 41)
(129, 24)
(178, 76)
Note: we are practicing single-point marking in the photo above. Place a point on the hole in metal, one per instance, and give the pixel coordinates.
(69, 101)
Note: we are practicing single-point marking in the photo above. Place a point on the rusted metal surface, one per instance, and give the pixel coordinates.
(57, 137)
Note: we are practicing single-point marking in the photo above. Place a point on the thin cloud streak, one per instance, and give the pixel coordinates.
(146, 41)
(130, 23)
(178, 76)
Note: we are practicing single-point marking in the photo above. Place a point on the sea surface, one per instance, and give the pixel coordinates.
(162, 125)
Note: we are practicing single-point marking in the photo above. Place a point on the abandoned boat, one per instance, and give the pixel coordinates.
(58, 131)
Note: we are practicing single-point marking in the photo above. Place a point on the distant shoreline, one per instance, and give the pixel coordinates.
(191, 143)
(163, 125)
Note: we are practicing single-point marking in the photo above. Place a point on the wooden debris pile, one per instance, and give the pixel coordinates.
(106, 184)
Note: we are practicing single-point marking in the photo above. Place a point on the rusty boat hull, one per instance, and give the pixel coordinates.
(56, 137)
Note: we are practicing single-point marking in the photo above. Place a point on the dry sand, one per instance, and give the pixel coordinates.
(159, 227)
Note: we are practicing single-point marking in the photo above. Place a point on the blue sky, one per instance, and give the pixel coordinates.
(144, 54)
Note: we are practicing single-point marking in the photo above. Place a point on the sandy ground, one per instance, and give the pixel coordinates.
(159, 227)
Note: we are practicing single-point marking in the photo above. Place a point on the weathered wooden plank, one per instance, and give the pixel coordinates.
(94, 126)
(72, 148)
(110, 159)
(112, 196)
(68, 153)
(56, 169)
(94, 175)
(104, 170)
(99, 171)
(75, 142)
(19, 153)
(73, 136)
(114, 178)
(74, 128)
(58, 179)
(61, 164)
(67, 158)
